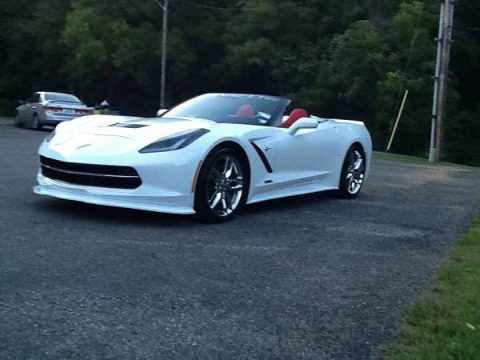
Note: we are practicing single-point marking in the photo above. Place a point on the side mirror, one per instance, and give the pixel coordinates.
(303, 123)
(161, 112)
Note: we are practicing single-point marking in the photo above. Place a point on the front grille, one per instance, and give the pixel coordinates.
(118, 177)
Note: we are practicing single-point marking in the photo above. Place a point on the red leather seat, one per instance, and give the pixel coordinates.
(245, 111)
(294, 116)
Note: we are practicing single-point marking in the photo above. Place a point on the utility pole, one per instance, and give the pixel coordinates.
(444, 40)
(163, 75)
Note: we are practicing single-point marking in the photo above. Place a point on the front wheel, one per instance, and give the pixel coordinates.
(353, 173)
(221, 187)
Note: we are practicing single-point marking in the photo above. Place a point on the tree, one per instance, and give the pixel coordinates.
(35, 58)
(107, 44)
(410, 65)
(351, 68)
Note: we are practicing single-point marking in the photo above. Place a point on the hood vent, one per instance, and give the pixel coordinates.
(128, 125)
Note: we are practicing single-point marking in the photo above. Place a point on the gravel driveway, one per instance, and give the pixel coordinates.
(309, 277)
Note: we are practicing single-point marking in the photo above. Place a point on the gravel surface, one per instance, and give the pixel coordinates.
(309, 277)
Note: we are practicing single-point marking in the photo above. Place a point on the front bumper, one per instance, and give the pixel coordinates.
(167, 183)
(98, 196)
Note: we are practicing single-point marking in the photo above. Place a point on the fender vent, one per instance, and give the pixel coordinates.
(262, 157)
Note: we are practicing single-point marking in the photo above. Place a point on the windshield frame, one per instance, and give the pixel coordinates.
(275, 117)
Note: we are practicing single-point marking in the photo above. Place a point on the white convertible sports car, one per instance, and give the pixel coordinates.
(207, 156)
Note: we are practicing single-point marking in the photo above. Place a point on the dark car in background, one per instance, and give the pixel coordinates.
(49, 108)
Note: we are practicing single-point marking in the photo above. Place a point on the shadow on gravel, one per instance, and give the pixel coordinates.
(65, 209)
(105, 214)
(289, 202)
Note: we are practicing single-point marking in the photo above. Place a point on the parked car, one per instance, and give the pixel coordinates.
(207, 156)
(49, 108)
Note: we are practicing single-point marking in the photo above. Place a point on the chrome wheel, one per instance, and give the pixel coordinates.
(224, 185)
(355, 173)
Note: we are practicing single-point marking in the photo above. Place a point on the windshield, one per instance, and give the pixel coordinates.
(57, 97)
(232, 108)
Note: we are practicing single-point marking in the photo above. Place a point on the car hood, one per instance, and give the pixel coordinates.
(132, 128)
(115, 135)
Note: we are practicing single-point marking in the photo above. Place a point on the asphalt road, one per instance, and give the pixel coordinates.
(309, 277)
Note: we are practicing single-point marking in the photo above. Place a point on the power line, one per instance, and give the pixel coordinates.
(404, 75)
(205, 6)
(162, 6)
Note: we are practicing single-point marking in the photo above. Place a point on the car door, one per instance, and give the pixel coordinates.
(310, 156)
(36, 106)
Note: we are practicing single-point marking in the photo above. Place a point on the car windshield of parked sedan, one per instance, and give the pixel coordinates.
(232, 108)
(56, 97)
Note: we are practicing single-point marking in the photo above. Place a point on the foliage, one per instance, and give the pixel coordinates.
(348, 58)
(411, 66)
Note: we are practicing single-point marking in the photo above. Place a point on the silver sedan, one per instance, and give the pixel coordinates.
(49, 108)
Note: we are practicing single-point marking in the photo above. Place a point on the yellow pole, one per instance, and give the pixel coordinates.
(400, 112)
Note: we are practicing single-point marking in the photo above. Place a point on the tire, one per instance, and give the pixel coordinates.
(36, 123)
(222, 186)
(353, 173)
(17, 121)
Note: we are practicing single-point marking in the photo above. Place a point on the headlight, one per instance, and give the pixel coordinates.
(51, 136)
(175, 142)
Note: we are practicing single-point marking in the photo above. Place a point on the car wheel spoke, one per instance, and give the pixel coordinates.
(358, 163)
(225, 207)
(215, 199)
(215, 174)
(235, 184)
(352, 185)
(229, 166)
(235, 187)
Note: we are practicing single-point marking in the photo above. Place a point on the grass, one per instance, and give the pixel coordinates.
(445, 323)
(376, 155)
(397, 157)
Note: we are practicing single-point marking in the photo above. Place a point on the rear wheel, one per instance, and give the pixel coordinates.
(17, 121)
(221, 187)
(36, 123)
(353, 173)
